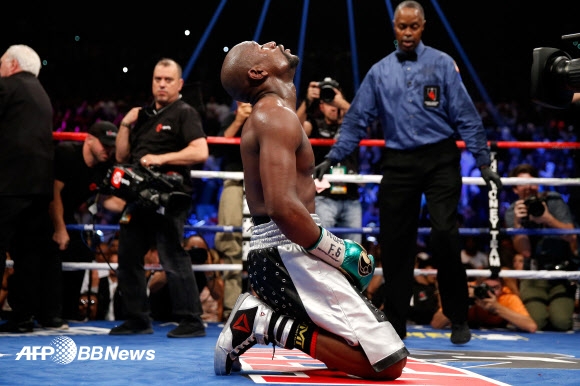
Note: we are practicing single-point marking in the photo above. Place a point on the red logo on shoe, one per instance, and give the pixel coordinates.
(242, 324)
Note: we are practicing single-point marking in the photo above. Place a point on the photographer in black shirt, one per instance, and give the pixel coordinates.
(79, 169)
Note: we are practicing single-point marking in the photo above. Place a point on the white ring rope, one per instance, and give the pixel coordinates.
(68, 266)
(519, 274)
(376, 178)
(507, 181)
(352, 178)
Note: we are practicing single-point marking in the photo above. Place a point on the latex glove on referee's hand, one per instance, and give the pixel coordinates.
(347, 256)
(489, 175)
(321, 169)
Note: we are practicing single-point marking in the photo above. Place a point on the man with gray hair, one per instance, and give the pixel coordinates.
(26, 182)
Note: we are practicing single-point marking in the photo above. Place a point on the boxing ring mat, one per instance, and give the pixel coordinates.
(85, 355)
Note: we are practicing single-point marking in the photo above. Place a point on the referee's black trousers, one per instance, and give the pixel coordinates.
(433, 170)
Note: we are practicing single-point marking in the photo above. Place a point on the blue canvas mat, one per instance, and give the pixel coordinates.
(47, 357)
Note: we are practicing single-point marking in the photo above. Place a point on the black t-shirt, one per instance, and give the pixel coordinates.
(81, 183)
(167, 130)
(338, 191)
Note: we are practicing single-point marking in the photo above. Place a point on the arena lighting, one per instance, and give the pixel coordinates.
(202, 40)
(555, 76)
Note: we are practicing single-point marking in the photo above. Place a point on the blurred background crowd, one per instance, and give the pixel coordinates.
(523, 122)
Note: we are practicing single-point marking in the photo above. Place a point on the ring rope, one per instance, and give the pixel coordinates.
(376, 178)
(80, 136)
(506, 181)
(519, 274)
(363, 230)
(70, 266)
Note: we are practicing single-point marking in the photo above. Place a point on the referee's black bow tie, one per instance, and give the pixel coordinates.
(404, 55)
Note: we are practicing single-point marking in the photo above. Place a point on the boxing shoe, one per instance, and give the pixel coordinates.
(56, 323)
(132, 327)
(247, 325)
(18, 326)
(460, 333)
(188, 328)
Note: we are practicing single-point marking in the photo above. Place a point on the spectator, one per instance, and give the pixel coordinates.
(423, 107)
(425, 301)
(209, 283)
(26, 177)
(216, 110)
(495, 306)
(549, 302)
(167, 136)
(509, 260)
(289, 251)
(4, 306)
(79, 169)
(88, 306)
(472, 256)
(337, 204)
(101, 287)
(158, 290)
(518, 261)
(110, 304)
(231, 204)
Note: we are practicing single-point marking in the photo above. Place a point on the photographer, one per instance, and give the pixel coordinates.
(169, 137)
(494, 306)
(78, 168)
(337, 204)
(549, 302)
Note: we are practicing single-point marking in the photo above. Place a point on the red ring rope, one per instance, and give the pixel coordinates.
(69, 136)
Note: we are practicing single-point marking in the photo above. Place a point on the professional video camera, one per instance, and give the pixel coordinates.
(146, 187)
(327, 87)
(555, 76)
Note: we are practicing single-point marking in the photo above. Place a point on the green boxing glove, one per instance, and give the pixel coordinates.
(348, 256)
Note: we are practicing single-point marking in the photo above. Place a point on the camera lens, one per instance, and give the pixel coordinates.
(535, 206)
(327, 94)
(481, 290)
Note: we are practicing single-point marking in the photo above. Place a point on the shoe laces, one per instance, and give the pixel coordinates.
(243, 347)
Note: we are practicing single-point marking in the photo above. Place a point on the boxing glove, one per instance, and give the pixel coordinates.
(348, 256)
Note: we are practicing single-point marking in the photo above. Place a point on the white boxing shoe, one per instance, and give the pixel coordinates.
(247, 325)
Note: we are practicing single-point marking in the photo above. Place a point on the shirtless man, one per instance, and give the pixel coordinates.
(306, 281)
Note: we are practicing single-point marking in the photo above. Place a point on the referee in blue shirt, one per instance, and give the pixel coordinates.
(423, 107)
